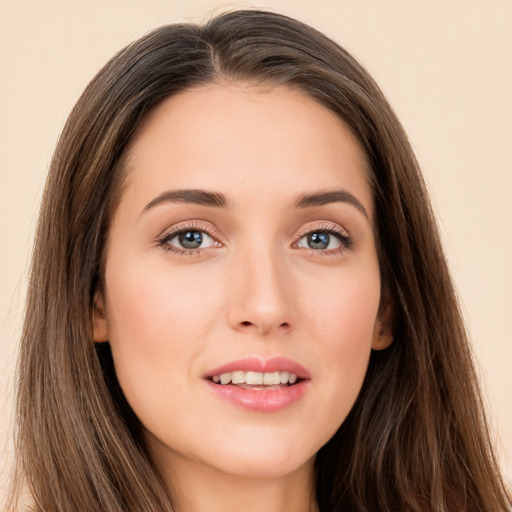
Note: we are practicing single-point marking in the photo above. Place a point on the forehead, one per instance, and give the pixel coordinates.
(245, 141)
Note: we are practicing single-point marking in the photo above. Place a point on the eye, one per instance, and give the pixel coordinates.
(192, 239)
(331, 240)
(320, 240)
(187, 241)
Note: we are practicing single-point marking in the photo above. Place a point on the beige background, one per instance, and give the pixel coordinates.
(446, 66)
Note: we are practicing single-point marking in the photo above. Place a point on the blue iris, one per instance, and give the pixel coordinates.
(318, 240)
(190, 239)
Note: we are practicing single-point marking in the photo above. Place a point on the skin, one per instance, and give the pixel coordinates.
(255, 287)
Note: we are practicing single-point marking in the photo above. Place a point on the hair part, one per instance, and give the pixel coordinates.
(416, 438)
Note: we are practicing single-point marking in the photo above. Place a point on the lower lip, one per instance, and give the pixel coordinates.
(263, 400)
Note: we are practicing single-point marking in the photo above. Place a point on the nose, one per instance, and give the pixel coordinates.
(261, 294)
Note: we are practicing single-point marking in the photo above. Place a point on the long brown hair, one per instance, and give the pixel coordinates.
(416, 438)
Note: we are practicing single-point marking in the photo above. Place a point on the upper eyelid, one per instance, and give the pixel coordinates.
(323, 226)
(192, 225)
(171, 233)
(213, 232)
(333, 228)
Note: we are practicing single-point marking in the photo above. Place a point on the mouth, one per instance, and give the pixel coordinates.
(261, 385)
(256, 380)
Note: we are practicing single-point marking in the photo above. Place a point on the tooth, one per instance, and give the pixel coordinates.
(254, 378)
(271, 378)
(225, 378)
(238, 377)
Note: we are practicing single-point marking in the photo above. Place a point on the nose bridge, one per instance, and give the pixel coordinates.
(262, 289)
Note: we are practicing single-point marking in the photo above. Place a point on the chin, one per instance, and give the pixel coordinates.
(262, 458)
(265, 466)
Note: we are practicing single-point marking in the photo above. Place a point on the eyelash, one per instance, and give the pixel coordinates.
(163, 241)
(347, 242)
(341, 234)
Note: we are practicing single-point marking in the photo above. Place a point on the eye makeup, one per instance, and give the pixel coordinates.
(190, 238)
(325, 238)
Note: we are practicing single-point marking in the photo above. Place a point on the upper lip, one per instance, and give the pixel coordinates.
(255, 364)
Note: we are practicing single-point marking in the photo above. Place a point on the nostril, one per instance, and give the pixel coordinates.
(264, 327)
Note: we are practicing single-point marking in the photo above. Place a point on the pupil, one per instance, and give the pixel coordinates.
(190, 239)
(318, 240)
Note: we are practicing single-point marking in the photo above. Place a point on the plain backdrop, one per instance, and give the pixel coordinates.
(445, 65)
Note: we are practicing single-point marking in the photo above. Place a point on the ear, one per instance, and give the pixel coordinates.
(99, 319)
(383, 330)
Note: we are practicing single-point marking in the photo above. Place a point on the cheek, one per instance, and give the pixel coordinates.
(342, 323)
(157, 323)
(344, 313)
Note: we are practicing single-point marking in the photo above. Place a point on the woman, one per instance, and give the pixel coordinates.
(238, 294)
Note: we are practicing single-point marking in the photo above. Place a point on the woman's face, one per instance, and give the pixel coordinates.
(242, 248)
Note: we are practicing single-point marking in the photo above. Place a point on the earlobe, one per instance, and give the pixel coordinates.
(99, 319)
(383, 330)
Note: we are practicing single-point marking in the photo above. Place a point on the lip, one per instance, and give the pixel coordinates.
(261, 400)
(254, 364)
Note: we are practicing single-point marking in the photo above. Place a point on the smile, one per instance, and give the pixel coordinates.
(255, 378)
(260, 385)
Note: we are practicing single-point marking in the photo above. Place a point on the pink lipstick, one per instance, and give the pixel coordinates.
(261, 385)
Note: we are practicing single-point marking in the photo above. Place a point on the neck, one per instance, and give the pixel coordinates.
(199, 488)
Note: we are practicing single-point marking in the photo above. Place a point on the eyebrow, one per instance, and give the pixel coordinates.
(218, 200)
(327, 197)
(192, 196)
